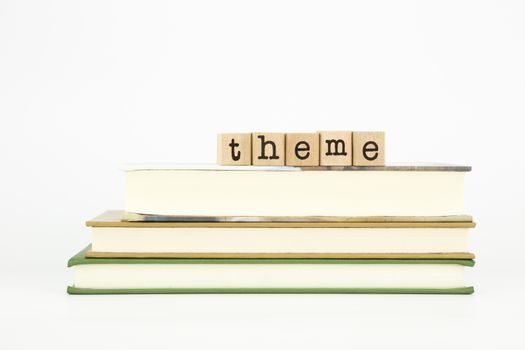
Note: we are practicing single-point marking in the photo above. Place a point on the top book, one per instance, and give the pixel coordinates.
(192, 191)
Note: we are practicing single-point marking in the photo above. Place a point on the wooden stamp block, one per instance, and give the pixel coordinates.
(368, 148)
(335, 148)
(268, 149)
(302, 149)
(234, 149)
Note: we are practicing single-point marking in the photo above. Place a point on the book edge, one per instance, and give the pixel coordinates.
(441, 167)
(88, 291)
(214, 255)
(119, 218)
(80, 259)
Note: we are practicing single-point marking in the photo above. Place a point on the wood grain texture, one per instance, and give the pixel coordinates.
(335, 148)
(268, 149)
(368, 148)
(234, 149)
(302, 149)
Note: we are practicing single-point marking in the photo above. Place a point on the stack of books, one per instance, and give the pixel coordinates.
(229, 229)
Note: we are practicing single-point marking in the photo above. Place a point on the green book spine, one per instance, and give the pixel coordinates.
(80, 259)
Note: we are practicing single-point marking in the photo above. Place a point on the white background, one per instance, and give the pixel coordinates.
(88, 85)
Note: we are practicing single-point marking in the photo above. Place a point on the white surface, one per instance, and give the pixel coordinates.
(268, 276)
(87, 86)
(279, 240)
(300, 193)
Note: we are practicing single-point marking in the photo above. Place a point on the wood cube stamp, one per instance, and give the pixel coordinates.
(335, 148)
(234, 149)
(268, 149)
(368, 148)
(302, 149)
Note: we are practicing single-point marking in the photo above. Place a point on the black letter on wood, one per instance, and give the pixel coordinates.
(234, 144)
(373, 148)
(337, 144)
(263, 147)
(306, 149)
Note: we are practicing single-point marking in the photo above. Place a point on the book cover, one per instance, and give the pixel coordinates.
(263, 275)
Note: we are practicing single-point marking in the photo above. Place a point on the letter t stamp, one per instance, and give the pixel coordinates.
(234, 149)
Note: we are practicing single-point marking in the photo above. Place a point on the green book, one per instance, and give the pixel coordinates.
(182, 275)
